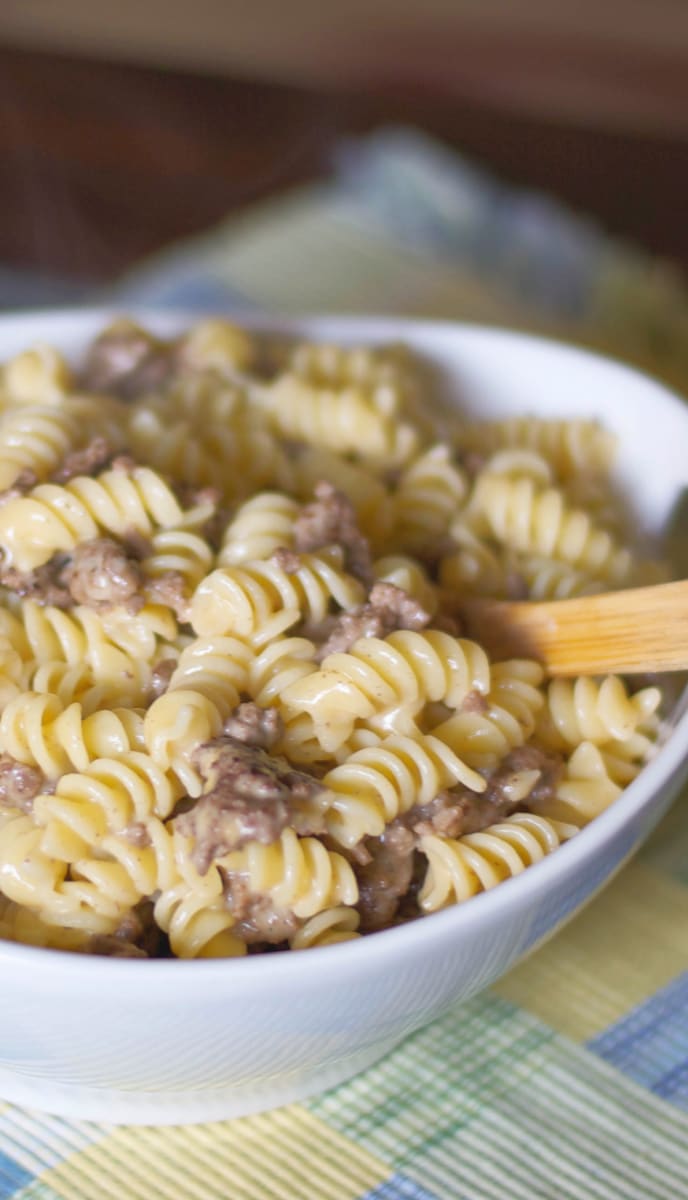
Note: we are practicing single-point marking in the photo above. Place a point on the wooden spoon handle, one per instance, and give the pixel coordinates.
(639, 630)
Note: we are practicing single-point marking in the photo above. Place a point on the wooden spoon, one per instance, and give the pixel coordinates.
(639, 630)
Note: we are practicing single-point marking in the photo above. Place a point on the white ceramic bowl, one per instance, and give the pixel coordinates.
(171, 1041)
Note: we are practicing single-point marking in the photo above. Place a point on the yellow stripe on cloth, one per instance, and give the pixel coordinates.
(624, 947)
(288, 1154)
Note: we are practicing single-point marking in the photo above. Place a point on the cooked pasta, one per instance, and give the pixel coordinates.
(296, 873)
(237, 711)
(333, 925)
(429, 492)
(387, 682)
(378, 783)
(569, 446)
(55, 517)
(260, 526)
(349, 419)
(536, 520)
(585, 710)
(261, 599)
(459, 868)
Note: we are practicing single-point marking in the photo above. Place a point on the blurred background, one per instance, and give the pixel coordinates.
(124, 128)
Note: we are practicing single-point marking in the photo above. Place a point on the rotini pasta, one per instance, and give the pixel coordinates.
(261, 600)
(387, 682)
(237, 711)
(55, 517)
(459, 868)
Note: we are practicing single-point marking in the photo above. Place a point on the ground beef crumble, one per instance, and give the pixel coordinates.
(25, 482)
(170, 589)
(89, 460)
(126, 361)
(101, 575)
(387, 867)
(287, 560)
(137, 936)
(19, 783)
(388, 608)
(256, 918)
(46, 585)
(248, 796)
(254, 726)
(331, 520)
(161, 675)
(385, 877)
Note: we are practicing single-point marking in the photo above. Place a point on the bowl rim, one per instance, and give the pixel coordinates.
(438, 927)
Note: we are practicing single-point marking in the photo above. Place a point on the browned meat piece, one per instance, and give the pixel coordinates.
(386, 877)
(127, 362)
(136, 544)
(287, 560)
(162, 673)
(136, 834)
(455, 813)
(249, 796)
(90, 459)
(45, 585)
(256, 917)
(254, 726)
(19, 783)
(474, 702)
(137, 936)
(550, 766)
(331, 520)
(170, 589)
(101, 575)
(386, 866)
(388, 608)
(111, 946)
(25, 481)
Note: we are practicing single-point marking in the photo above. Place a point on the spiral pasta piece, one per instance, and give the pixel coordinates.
(570, 446)
(39, 375)
(345, 420)
(587, 710)
(174, 726)
(299, 874)
(588, 786)
(429, 492)
(181, 552)
(380, 371)
(533, 520)
(88, 893)
(459, 868)
(33, 438)
(281, 663)
(387, 678)
(107, 643)
(38, 730)
(378, 782)
(259, 527)
(483, 734)
(339, 924)
(79, 682)
(217, 668)
(192, 910)
(55, 517)
(110, 796)
(260, 600)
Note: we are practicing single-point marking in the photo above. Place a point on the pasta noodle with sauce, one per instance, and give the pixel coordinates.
(237, 711)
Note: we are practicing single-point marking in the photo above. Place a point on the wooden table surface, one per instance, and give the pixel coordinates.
(101, 163)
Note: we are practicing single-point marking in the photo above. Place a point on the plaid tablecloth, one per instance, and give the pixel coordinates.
(570, 1077)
